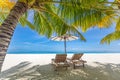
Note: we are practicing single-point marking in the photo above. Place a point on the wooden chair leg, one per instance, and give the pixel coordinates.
(65, 68)
(83, 65)
(74, 65)
(55, 68)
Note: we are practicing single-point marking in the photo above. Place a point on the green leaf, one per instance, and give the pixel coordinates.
(118, 25)
(111, 37)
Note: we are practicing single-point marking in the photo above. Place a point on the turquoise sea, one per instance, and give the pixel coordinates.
(62, 52)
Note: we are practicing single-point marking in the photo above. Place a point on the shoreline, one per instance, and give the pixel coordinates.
(67, 53)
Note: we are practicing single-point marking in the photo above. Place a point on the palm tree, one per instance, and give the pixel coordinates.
(52, 16)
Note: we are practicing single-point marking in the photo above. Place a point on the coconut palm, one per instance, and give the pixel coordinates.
(17, 13)
(53, 16)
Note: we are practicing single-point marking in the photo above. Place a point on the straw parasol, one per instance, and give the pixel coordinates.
(65, 37)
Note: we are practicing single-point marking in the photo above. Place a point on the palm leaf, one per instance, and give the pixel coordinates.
(5, 7)
(85, 13)
(118, 25)
(43, 27)
(111, 37)
(53, 19)
(73, 30)
(24, 22)
(59, 16)
(106, 21)
(59, 25)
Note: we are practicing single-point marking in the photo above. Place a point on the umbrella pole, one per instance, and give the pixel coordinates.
(65, 45)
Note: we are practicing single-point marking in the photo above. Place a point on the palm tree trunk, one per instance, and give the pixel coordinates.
(8, 27)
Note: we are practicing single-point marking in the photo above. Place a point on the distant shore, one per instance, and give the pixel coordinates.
(62, 52)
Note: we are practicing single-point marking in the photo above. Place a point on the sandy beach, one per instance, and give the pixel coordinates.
(38, 67)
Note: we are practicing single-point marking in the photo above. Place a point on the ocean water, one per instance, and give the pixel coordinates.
(62, 52)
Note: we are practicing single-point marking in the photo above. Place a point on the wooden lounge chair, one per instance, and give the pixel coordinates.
(60, 61)
(76, 60)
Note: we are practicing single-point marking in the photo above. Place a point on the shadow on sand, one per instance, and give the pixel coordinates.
(23, 71)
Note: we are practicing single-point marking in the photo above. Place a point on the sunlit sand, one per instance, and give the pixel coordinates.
(38, 67)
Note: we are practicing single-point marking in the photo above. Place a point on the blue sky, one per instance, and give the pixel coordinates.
(26, 40)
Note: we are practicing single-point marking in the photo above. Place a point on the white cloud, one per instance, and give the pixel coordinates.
(37, 44)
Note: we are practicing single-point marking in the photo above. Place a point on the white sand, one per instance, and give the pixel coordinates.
(41, 59)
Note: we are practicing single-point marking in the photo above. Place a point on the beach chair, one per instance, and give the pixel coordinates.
(60, 61)
(76, 60)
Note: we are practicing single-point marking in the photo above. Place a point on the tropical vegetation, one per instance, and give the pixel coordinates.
(54, 16)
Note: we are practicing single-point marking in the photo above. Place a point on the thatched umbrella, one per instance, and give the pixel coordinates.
(65, 37)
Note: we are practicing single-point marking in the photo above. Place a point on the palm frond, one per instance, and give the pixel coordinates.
(111, 37)
(106, 21)
(62, 16)
(2, 17)
(73, 30)
(5, 7)
(85, 13)
(43, 27)
(58, 24)
(87, 18)
(118, 25)
(24, 22)
(53, 19)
